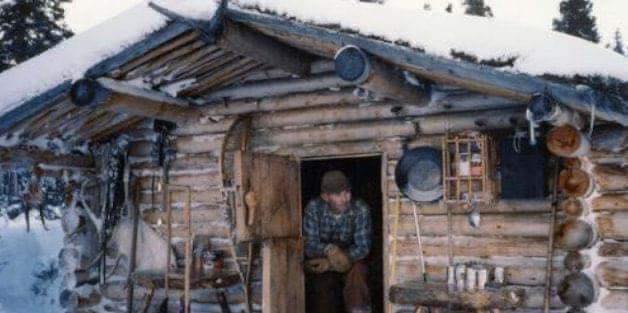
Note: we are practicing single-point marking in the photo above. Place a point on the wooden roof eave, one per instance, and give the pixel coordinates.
(473, 77)
(120, 97)
(56, 94)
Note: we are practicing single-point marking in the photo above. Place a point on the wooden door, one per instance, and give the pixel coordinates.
(268, 209)
(268, 200)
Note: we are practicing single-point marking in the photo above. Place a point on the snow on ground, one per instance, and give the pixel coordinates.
(70, 59)
(30, 279)
(537, 51)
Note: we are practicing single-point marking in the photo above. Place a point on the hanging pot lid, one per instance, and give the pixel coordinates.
(419, 174)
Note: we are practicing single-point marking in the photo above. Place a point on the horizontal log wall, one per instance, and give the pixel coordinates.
(608, 205)
(513, 234)
(196, 165)
(333, 124)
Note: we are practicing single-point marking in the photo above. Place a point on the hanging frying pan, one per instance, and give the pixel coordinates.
(419, 174)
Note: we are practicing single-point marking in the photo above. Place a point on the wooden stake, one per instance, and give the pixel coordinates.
(393, 254)
(550, 242)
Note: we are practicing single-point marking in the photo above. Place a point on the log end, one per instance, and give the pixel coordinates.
(574, 182)
(352, 64)
(565, 141)
(575, 262)
(572, 207)
(575, 235)
(576, 290)
(87, 91)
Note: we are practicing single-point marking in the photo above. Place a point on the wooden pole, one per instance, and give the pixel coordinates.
(550, 241)
(393, 253)
(276, 87)
(188, 249)
(121, 97)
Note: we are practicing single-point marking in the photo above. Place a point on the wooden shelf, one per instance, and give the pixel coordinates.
(438, 294)
(466, 168)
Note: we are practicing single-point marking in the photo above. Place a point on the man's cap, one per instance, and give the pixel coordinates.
(334, 182)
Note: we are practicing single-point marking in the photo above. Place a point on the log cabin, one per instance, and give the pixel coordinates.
(167, 118)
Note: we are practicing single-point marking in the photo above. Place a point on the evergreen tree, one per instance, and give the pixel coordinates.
(449, 8)
(477, 7)
(576, 20)
(619, 43)
(29, 27)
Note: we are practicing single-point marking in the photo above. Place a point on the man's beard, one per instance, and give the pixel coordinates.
(339, 208)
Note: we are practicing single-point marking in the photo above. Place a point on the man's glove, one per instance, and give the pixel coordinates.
(317, 265)
(338, 259)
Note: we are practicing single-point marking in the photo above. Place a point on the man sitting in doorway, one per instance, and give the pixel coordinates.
(337, 232)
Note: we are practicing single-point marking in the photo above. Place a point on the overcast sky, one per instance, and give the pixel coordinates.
(610, 14)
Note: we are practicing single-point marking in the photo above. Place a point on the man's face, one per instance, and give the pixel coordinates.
(339, 202)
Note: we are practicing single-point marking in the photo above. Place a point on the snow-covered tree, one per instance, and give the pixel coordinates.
(576, 19)
(618, 45)
(477, 7)
(28, 27)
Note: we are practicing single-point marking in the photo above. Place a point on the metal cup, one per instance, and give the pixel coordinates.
(499, 275)
(451, 276)
(460, 277)
(482, 278)
(471, 279)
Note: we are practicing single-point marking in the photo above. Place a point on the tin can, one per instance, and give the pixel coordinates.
(451, 276)
(482, 278)
(460, 277)
(471, 279)
(499, 275)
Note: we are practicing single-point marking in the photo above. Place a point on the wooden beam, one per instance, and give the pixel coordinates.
(119, 97)
(519, 87)
(276, 87)
(438, 294)
(26, 155)
(356, 66)
(609, 138)
(242, 40)
(611, 178)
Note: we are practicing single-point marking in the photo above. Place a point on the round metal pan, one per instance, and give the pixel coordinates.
(418, 174)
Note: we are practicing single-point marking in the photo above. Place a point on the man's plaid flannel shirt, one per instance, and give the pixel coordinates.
(350, 230)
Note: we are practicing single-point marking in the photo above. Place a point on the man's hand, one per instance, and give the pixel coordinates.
(318, 265)
(338, 259)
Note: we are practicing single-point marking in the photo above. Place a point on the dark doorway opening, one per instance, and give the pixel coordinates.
(364, 173)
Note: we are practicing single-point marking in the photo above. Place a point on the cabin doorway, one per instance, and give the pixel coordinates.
(364, 174)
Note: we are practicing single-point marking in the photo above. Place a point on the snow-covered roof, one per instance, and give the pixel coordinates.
(517, 48)
(70, 59)
(512, 47)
